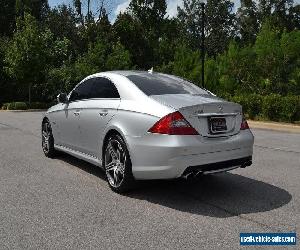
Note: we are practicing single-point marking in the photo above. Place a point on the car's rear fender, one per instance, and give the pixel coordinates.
(128, 123)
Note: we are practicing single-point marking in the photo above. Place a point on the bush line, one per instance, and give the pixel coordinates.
(24, 106)
(271, 107)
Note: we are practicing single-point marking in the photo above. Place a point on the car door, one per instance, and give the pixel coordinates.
(70, 115)
(98, 111)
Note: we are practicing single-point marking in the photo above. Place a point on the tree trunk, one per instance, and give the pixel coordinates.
(29, 94)
(88, 12)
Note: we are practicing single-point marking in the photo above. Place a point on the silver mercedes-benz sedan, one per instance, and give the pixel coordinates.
(144, 125)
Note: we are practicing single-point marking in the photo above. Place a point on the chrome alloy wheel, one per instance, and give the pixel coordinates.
(115, 162)
(46, 134)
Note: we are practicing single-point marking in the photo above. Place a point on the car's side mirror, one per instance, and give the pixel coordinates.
(62, 98)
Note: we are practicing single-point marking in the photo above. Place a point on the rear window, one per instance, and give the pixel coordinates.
(159, 84)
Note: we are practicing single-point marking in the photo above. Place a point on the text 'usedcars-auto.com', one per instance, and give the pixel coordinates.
(144, 125)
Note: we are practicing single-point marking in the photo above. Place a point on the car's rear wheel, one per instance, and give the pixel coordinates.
(117, 165)
(47, 140)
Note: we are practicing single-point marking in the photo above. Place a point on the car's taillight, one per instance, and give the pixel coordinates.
(244, 124)
(173, 124)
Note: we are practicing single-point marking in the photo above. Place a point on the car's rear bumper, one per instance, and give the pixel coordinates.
(167, 157)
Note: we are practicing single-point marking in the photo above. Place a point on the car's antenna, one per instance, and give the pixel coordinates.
(150, 70)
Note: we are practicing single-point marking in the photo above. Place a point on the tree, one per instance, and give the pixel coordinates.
(172, 35)
(220, 26)
(6, 85)
(102, 56)
(37, 8)
(103, 24)
(265, 9)
(278, 55)
(186, 64)
(150, 13)
(290, 46)
(294, 15)
(191, 19)
(78, 9)
(7, 17)
(62, 23)
(280, 14)
(132, 35)
(248, 21)
(269, 59)
(94, 11)
(94, 24)
(118, 59)
(237, 70)
(276, 11)
(31, 53)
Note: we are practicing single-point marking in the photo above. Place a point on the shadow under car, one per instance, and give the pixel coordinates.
(221, 195)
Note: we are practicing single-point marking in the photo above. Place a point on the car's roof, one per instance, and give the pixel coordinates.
(131, 72)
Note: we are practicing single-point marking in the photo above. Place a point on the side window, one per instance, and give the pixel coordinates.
(82, 91)
(104, 88)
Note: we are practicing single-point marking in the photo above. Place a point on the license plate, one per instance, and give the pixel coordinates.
(217, 124)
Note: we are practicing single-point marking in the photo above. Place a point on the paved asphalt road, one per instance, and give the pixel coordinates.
(66, 203)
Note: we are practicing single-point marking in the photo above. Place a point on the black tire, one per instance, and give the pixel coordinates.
(117, 165)
(48, 140)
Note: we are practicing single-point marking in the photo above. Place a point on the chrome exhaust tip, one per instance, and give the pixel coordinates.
(192, 174)
(246, 164)
(188, 175)
(198, 173)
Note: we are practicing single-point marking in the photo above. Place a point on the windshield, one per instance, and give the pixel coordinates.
(161, 84)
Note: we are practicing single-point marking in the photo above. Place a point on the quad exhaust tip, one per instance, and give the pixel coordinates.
(246, 164)
(192, 174)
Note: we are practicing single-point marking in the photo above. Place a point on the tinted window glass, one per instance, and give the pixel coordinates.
(159, 84)
(104, 88)
(82, 91)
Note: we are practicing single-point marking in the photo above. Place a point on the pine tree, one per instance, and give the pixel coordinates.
(150, 13)
(37, 8)
(7, 17)
(191, 19)
(248, 21)
(276, 11)
(220, 25)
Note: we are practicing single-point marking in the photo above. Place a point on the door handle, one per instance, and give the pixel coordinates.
(103, 113)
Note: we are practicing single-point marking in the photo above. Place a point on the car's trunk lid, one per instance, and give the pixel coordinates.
(209, 115)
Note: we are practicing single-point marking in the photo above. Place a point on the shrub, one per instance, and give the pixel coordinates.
(242, 101)
(4, 106)
(225, 96)
(253, 105)
(16, 106)
(38, 105)
(290, 108)
(11, 106)
(24, 106)
(272, 107)
(20, 106)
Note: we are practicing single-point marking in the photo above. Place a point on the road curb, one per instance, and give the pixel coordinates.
(27, 110)
(291, 128)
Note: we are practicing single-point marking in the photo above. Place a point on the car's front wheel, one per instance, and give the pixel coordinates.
(117, 165)
(47, 140)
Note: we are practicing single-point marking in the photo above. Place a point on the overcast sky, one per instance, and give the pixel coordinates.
(117, 6)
